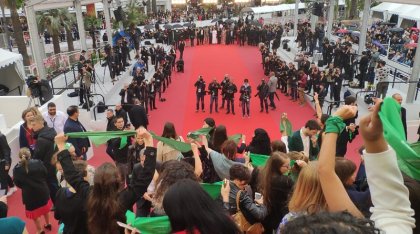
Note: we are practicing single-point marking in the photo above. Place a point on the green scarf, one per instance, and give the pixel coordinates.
(286, 127)
(408, 156)
(258, 160)
(212, 189)
(149, 225)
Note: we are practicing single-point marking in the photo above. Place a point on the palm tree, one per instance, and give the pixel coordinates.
(353, 9)
(50, 21)
(67, 20)
(91, 24)
(13, 5)
(135, 15)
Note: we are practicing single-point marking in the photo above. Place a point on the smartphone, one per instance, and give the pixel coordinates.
(258, 196)
(127, 227)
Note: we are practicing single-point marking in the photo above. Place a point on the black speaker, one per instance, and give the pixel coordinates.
(320, 63)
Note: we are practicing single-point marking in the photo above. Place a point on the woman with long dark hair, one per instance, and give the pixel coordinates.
(275, 187)
(106, 201)
(191, 210)
(219, 136)
(164, 151)
(260, 143)
(26, 134)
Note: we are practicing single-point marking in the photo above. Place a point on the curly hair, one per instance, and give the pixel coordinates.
(329, 223)
(171, 172)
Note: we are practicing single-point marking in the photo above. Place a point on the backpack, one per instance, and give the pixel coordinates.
(242, 223)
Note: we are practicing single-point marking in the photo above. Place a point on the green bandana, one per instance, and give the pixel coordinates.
(408, 156)
(286, 126)
(197, 133)
(334, 124)
(178, 145)
(212, 189)
(235, 137)
(101, 137)
(149, 225)
(258, 160)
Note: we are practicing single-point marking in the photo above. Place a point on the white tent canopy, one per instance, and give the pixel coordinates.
(271, 9)
(11, 70)
(404, 11)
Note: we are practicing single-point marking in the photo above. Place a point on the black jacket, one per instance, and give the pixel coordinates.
(252, 212)
(5, 150)
(78, 143)
(138, 116)
(67, 204)
(119, 155)
(35, 192)
(44, 148)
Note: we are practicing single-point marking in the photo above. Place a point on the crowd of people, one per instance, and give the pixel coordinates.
(398, 44)
(306, 183)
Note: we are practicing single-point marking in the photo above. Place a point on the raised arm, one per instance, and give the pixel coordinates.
(198, 167)
(391, 209)
(335, 194)
(317, 106)
(74, 178)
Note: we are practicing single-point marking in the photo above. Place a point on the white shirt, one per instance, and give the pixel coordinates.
(306, 141)
(57, 122)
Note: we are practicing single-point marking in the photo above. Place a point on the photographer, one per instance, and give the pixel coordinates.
(144, 94)
(382, 76)
(245, 98)
(85, 83)
(363, 68)
(336, 86)
(231, 89)
(263, 95)
(214, 95)
(34, 85)
(200, 85)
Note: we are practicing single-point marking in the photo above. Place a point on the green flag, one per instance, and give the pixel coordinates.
(101, 137)
(178, 145)
(258, 159)
(286, 126)
(407, 155)
(235, 137)
(197, 133)
(212, 189)
(149, 225)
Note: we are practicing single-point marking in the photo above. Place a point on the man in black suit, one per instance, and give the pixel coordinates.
(200, 85)
(72, 124)
(399, 99)
(138, 116)
(127, 95)
(181, 48)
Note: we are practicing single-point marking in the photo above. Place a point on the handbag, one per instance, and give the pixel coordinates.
(243, 224)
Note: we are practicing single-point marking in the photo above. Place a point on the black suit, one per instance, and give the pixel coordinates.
(130, 95)
(138, 116)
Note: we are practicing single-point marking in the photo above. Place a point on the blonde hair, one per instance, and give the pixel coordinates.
(307, 196)
(35, 110)
(37, 118)
(24, 156)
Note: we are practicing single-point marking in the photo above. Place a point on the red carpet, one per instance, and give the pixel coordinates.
(211, 61)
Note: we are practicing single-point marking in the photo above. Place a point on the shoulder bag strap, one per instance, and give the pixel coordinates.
(238, 194)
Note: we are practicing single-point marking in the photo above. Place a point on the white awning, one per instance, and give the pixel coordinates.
(386, 6)
(7, 58)
(412, 14)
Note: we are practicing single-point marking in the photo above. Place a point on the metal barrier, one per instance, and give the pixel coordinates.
(17, 88)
